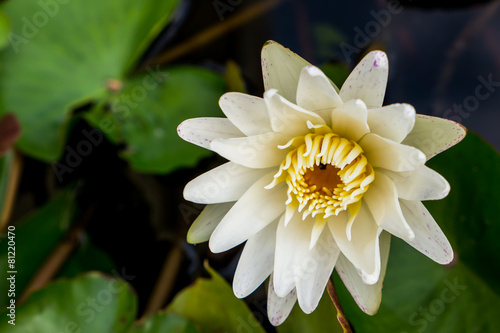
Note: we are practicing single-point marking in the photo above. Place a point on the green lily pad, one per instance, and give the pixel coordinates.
(89, 303)
(420, 295)
(470, 215)
(146, 113)
(62, 55)
(164, 322)
(35, 238)
(211, 304)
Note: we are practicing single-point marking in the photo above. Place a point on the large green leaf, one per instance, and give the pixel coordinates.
(470, 215)
(211, 304)
(35, 238)
(164, 322)
(145, 115)
(61, 56)
(420, 295)
(89, 303)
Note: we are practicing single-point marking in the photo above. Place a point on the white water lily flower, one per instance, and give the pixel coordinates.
(318, 178)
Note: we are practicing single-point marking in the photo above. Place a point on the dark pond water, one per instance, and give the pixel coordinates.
(444, 58)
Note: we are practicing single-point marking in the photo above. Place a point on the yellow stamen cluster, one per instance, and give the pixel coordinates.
(326, 174)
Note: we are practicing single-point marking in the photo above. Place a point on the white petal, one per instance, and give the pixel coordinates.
(367, 80)
(353, 210)
(387, 154)
(367, 296)
(316, 92)
(363, 248)
(317, 229)
(291, 208)
(256, 261)
(296, 265)
(254, 211)
(259, 151)
(207, 221)
(278, 308)
(392, 122)
(311, 282)
(382, 199)
(287, 239)
(202, 131)
(429, 239)
(422, 183)
(433, 135)
(248, 113)
(350, 120)
(281, 69)
(227, 182)
(287, 117)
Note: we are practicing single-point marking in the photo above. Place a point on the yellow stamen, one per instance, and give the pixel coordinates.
(325, 173)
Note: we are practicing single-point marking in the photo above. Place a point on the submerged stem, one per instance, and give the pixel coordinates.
(341, 317)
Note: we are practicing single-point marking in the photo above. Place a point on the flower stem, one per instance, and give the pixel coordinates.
(166, 280)
(341, 317)
(214, 32)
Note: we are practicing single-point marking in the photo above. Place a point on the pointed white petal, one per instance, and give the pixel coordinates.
(367, 80)
(296, 265)
(202, 131)
(287, 239)
(248, 113)
(433, 135)
(256, 262)
(367, 296)
(207, 221)
(311, 281)
(429, 239)
(227, 182)
(316, 93)
(363, 248)
(350, 120)
(254, 211)
(291, 208)
(317, 229)
(382, 199)
(259, 151)
(422, 183)
(278, 308)
(281, 69)
(287, 117)
(392, 122)
(387, 154)
(353, 210)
